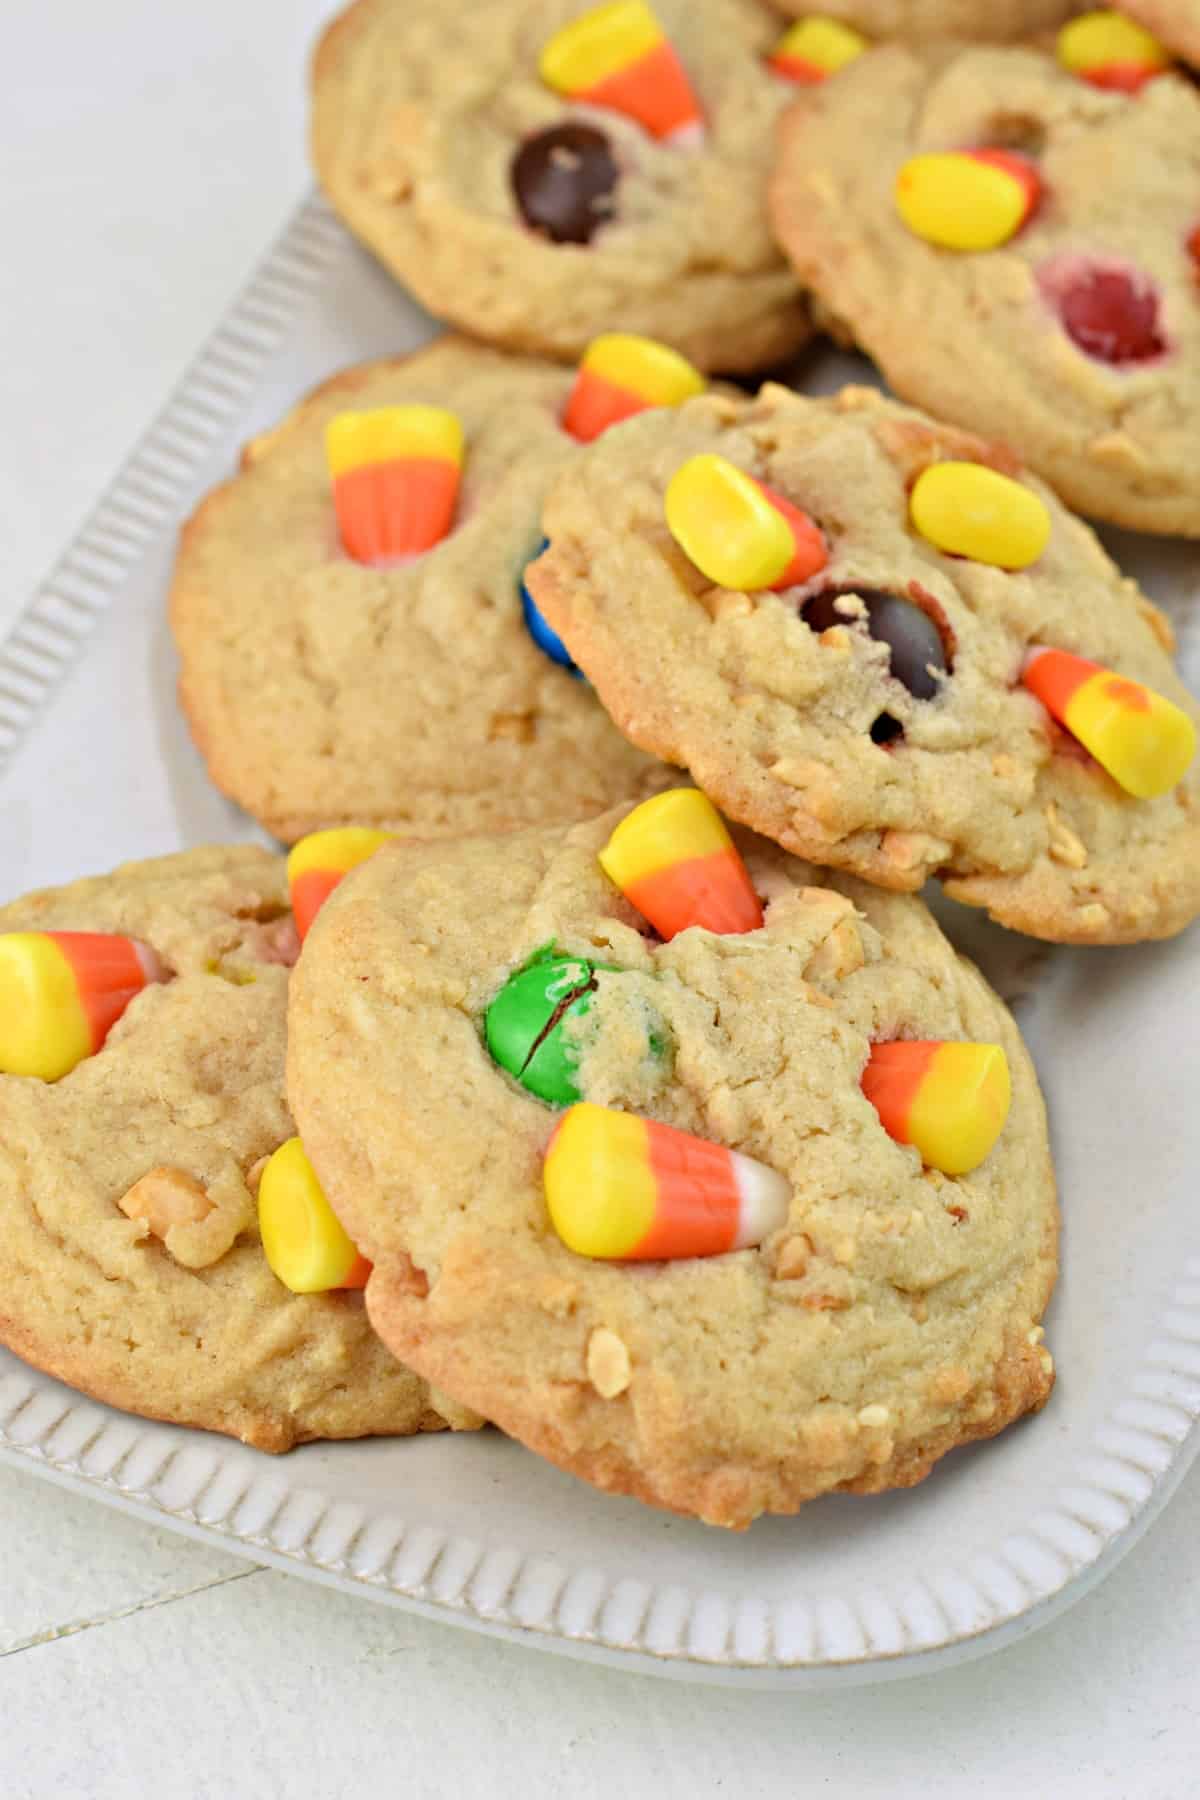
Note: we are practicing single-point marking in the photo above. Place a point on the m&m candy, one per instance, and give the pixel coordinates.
(524, 1026)
(564, 180)
(737, 531)
(395, 474)
(1110, 311)
(318, 862)
(621, 375)
(815, 48)
(1111, 51)
(61, 993)
(1145, 741)
(542, 633)
(301, 1237)
(948, 1100)
(674, 861)
(970, 510)
(622, 1187)
(618, 56)
(967, 199)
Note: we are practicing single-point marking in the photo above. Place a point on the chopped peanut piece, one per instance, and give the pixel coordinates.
(839, 954)
(791, 1262)
(165, 1197)
(1064, 845)
(254, 1173)
(607, 1363)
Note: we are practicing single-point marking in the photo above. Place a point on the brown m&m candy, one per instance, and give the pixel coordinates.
(563, 180)
(914, 643)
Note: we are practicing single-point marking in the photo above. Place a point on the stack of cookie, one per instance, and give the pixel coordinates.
(624, 1087)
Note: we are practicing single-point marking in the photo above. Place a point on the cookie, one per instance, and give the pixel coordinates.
(873, 713)
(1176, 23)
(890, 1311)
(991, 21)
(539, 218)
(322, 691)
(1051, 301)
(174, 1117)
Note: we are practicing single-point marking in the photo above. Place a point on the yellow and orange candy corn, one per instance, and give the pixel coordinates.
(1145, 741)
(621, 375)
(815, 48)
(395, 474)
(318, 862)
(948, 1100)
(967, 199)
(618, 57)
(619, 1187)
(673, 860)
(1110, 51)
(301, 1237)
(738, 532)
(61, 993)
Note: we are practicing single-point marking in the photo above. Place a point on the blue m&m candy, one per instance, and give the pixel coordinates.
(547, 641)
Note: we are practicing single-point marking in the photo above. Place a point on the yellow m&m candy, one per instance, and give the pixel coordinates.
(970, 510)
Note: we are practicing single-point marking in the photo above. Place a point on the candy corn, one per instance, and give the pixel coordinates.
(949, 1100)
(318, 862)
(815, 48)
(620, 1187)
(1111, 51)
(61, 993)
(970, 510)
(738, 532)
(967, 199)
(673, 860)
(621, 375)
(301, 1238)
(395, 478)
(618, 57)
(1145, 742)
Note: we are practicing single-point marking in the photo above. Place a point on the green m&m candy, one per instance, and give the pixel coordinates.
(524, 1024)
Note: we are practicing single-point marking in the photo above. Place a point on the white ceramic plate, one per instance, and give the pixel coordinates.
(473, 1529)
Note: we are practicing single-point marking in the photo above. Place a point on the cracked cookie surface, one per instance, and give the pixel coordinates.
(421, 106)
(1012, 341)
(774, 719)
(194, 1329)
(323, 692)
(892, 1317)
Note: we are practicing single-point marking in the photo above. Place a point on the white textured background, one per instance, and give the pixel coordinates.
(148, 152)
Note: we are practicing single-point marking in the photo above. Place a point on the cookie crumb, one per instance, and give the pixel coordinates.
(607, 1363)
